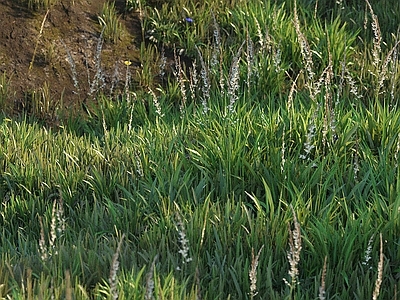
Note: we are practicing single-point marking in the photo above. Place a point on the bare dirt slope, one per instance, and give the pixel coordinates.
(70, 26)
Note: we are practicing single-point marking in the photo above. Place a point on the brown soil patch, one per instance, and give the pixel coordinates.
(70, 26)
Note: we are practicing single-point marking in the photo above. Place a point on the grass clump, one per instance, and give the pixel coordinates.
(109, 20)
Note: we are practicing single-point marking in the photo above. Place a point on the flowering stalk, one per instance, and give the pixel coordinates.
(294, 253)
(233, 84)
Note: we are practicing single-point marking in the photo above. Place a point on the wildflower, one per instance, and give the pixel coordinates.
(139, 168)
(367, 255)
(250, 60)
(114, 80)
(156, 103)
(384, 69)
(377, 36)
(57, 227)
(308, 145)
(378, 281)
(353, 86)
(322, 291)
(253, 272)
(163, 62)
(356, 165)
(277, 58)
(206, 82)
(72, 65)
(304, 47)
(150, 280)
(189, 20)
(259, 33)
(393, 72)
(283, 159)
(217, 42)
(42, 242)
(294, 253)
(184, 242)
(114, 269)
(179, 74)
(53, 226)
(193, 80)
(127, 79)
(234, 80)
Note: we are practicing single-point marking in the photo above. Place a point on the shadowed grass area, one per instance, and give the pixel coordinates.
(39, 4)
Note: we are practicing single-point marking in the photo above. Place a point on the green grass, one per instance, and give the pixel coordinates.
(177, 196)
(109, 20)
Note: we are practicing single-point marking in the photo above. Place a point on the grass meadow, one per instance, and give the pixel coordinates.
(254, 157)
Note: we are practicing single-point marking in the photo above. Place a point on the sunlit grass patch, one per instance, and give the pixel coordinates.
(108, 19)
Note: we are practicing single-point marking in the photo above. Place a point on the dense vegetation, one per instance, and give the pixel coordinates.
(255, 157)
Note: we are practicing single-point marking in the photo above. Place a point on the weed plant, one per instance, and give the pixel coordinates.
(263, 167)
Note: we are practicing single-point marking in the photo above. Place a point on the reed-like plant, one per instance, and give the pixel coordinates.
(41, 104)
(109, 20)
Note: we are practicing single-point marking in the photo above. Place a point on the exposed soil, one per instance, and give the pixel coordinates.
(70, 26)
